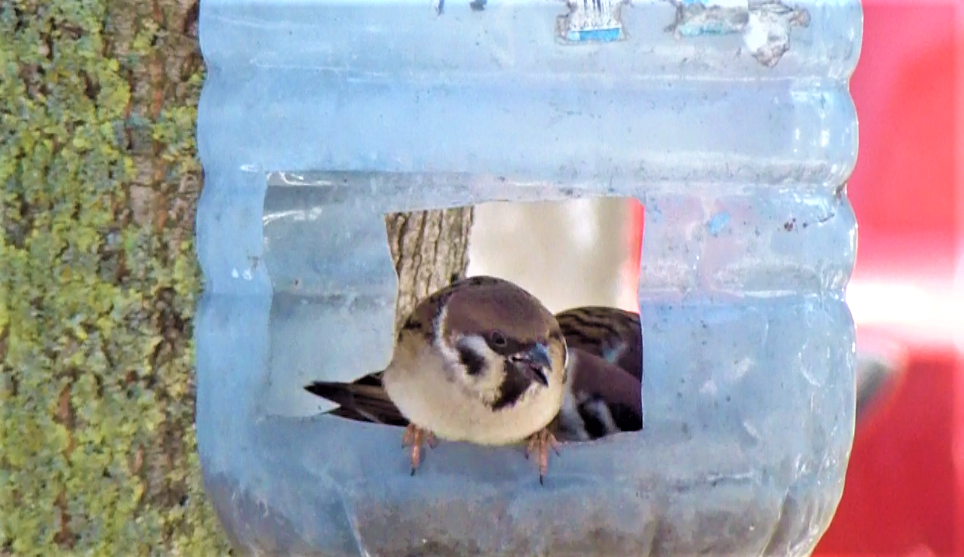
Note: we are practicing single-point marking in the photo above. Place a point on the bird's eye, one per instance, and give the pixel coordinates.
(497, 339)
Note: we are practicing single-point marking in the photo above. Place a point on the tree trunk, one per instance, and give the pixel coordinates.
(98, 102)
(430, 250)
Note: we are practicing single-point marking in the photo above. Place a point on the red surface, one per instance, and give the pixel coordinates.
(904, 493)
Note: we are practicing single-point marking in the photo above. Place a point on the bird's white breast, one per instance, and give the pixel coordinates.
(427, 393)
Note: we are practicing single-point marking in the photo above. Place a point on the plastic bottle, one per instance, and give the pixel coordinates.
(731, 121)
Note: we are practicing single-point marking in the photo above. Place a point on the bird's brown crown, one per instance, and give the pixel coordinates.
(499, 308)
(482, 305)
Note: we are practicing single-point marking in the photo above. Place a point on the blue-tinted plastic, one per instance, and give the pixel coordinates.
(734, 127)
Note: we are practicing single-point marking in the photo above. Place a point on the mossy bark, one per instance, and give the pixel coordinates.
(98, 278)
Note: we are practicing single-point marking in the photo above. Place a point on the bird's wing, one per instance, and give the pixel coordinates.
(607, 399)
(363, 400)
(609, 333)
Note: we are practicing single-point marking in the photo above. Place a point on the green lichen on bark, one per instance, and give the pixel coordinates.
(98, 279)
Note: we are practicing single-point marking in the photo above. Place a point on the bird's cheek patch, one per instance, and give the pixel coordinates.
(473, 362)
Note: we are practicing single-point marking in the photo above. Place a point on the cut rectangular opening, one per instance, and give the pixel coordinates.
(580, 258)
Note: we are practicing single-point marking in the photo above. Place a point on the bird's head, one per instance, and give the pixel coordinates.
(502, 342)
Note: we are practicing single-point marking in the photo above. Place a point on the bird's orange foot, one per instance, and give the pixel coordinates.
(542, 441)
(415, 436)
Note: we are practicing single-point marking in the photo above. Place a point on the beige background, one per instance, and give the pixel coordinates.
(568, 254)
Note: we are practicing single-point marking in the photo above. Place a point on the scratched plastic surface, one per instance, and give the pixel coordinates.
(735, 129)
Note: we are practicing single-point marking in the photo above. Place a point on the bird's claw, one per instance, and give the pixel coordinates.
(415, 436)
(541, 442)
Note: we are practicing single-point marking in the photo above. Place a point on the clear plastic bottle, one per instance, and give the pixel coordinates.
(731, 121)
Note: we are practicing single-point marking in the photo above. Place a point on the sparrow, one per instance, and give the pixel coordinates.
(603, 380)
(604, 384)
(481, 360)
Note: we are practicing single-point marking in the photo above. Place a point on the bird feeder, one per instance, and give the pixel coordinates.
(730, 121)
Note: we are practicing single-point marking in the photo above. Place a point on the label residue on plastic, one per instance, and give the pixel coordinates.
(591, 21)
(764, 24)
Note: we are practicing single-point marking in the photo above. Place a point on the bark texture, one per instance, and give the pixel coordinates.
(98, 278)
(430, 250)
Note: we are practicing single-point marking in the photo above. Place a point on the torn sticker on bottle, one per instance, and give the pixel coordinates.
(767, 32)
(591, 21)
(709, 17)
(764, 24)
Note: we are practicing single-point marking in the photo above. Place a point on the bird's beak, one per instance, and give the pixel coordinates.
(534, 362)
